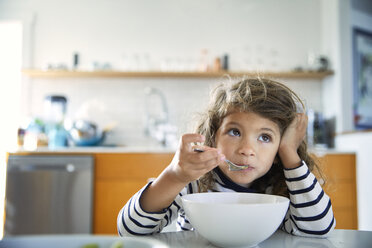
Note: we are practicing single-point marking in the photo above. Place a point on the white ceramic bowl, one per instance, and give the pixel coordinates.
(235, 219)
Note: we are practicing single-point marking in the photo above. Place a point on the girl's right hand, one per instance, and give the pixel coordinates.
(188, 165)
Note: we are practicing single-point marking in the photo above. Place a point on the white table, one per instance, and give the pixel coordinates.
(338, 239)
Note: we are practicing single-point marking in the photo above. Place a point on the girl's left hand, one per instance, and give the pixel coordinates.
(291, 140)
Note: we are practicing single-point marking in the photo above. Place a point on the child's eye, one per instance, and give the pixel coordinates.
(234, 132)
(265, 138)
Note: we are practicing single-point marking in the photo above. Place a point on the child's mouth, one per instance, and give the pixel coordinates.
(235, 166)
(245, 167)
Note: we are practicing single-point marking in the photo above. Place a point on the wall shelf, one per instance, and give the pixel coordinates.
(34, 73)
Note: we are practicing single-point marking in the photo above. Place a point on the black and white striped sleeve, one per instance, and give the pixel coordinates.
(133, 220)
(310, 210)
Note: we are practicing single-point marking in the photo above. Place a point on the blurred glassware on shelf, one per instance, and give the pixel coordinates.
(323, 63)
(178, 64)
(317, 62)
(75, 61)
(204, 61)
(311, 61)
(274, 61)
(125, 62)
(55, 66)
(136, 62)
(190, 64)
(145, 62)
(101, 66)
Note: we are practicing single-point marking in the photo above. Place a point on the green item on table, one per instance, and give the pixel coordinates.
(92, 245)
(117, 244)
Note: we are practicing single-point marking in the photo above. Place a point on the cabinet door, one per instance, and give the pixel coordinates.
(117, 178)
(340, 175)
(110, 198)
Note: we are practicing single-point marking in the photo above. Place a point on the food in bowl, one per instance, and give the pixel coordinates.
(235, 219)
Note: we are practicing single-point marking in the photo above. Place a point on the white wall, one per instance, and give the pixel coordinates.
(106, 31)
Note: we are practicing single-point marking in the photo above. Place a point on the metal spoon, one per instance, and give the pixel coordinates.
(232, 166)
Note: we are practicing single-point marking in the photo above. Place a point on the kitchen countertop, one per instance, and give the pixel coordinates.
(136, 149)
(338, 239)
(97, 149)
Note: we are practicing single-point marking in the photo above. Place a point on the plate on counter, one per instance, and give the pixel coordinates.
(79, 241)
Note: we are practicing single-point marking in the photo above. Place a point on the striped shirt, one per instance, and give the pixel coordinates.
(309, 213)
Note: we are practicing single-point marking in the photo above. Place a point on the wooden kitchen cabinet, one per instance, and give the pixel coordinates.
(340, 175)
(117, 177)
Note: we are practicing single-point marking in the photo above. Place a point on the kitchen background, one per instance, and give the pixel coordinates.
(157, 36)
(166, 35)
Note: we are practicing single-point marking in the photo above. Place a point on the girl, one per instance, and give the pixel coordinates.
(253, 122)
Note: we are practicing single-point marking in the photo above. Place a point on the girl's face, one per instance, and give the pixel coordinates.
(246, 138)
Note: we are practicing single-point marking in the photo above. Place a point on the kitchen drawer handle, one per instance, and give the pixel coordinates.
(37, 167)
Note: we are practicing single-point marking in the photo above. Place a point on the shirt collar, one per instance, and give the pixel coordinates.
(230, 184)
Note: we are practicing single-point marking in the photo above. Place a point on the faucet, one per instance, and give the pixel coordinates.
(157, 124)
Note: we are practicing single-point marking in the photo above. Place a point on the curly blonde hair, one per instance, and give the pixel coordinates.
(265, 97)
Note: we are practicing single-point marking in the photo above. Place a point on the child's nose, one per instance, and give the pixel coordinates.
(247, 148)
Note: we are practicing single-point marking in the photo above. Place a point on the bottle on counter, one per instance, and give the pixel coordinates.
(34, 135)
(54, 111)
